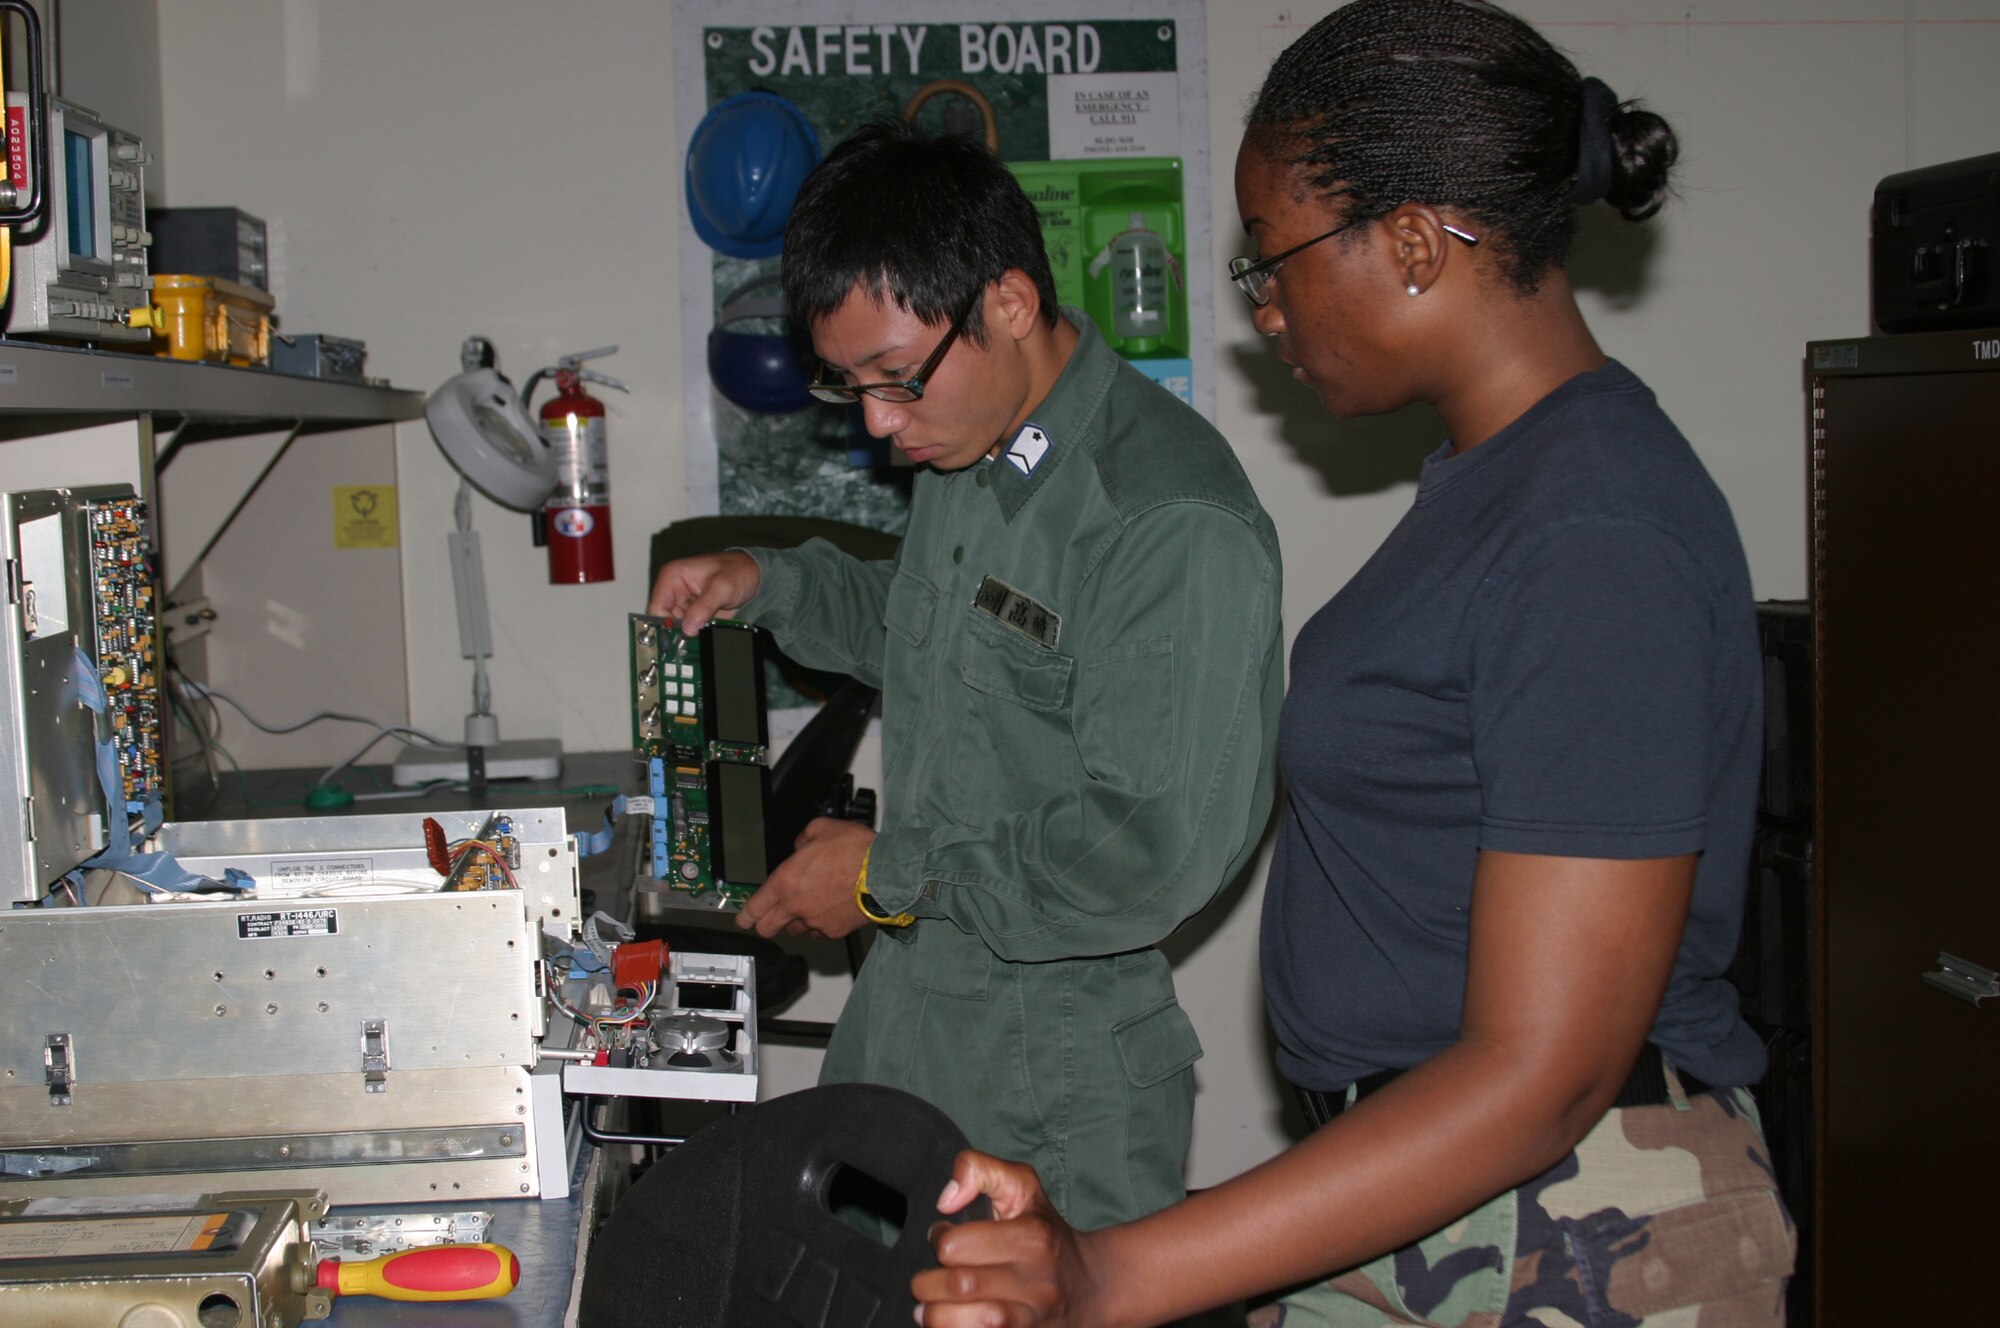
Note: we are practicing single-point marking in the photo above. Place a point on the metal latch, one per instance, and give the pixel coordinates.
(59, 1068)
(1964, 979)
(375, 1055)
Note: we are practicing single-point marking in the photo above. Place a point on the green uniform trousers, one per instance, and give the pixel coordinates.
(1043, 1063)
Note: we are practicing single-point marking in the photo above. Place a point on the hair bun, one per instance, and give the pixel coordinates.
(1644, 154)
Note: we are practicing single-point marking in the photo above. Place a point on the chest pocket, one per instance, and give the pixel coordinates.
(1001, 663)
(1009, 746)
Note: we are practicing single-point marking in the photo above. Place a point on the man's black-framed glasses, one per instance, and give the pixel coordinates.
(908, 389)
(1254, 276)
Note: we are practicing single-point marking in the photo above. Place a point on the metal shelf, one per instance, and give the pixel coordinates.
(39, 380)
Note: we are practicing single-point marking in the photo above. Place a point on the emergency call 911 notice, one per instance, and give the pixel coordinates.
(1114, 115)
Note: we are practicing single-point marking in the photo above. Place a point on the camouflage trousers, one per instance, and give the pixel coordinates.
(1664, 1217)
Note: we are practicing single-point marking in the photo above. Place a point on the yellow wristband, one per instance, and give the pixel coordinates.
(861, 898)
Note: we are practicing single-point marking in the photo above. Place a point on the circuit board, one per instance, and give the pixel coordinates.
(698, 719)
(82, 718)
(122, 597)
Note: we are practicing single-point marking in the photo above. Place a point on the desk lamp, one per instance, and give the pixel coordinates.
(485, 432)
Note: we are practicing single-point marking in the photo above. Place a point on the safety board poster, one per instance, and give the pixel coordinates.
(1103, 115)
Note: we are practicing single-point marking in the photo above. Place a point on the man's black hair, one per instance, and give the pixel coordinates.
(1455, 103)
(918, 220)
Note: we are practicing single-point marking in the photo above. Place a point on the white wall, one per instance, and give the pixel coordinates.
(437, 167)
(109, 64)
(431, 170)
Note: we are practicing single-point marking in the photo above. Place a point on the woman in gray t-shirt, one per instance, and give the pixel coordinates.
(1521, 748)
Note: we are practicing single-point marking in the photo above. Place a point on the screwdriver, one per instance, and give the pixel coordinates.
(430, 1272)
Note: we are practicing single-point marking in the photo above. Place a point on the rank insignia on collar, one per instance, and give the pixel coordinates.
(1030, 445)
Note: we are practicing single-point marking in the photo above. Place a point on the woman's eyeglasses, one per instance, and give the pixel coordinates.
(1254, 276)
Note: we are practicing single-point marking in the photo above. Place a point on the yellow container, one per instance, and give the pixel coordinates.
(208, 318)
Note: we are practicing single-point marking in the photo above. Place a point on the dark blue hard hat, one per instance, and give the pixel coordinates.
(745, 163)
(761, 371)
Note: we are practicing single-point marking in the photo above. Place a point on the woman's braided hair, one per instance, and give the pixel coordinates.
(1459, 104)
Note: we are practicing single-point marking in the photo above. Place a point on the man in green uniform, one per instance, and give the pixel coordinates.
(1078, 651)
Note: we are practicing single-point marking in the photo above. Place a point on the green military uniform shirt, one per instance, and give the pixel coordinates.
(1078, 651)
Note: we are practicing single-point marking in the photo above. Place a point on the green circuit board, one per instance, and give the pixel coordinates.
(122, 599)
(698, 719)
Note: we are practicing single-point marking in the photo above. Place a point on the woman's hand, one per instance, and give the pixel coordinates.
(1027, 1267)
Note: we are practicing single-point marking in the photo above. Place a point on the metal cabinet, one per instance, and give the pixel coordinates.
(1904, 435)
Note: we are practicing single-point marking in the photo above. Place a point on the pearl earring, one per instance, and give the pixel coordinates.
(1413, 289)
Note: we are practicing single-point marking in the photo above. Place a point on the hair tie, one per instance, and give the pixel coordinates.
(1595, 156)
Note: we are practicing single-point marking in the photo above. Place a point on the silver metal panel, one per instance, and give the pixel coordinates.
(220, 990)
(210, 1037)
(405, 1182)
(252, 1115)
(268, 1152)
(50, 799)
(553, 1157)
(330, 857)
(215, 1108)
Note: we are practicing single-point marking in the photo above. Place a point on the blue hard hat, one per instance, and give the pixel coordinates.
(759, 371)
(745, 163)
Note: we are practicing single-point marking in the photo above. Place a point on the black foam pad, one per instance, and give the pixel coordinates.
(735, 1226)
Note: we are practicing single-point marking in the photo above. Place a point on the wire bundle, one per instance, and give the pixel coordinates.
(196, 703)
(597, 1026)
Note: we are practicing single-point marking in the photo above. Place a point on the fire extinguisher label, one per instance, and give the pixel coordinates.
(582, 466)
(573, 522)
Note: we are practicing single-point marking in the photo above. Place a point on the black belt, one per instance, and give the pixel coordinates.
(1646, 1086)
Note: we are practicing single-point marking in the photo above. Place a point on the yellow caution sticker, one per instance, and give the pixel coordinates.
(364, 516)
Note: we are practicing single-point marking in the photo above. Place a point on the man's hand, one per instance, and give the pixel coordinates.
(1027, 1267)
(690, 591)
(812, 892)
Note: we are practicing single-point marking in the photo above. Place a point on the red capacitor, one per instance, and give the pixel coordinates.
(636, 963)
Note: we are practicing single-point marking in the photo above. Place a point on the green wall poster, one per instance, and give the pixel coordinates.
(1102, 113)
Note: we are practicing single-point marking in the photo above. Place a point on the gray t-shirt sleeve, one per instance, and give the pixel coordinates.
(1590, 697)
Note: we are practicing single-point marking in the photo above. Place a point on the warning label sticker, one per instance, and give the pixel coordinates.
(79, 1238)
(291, 922)
(307, 875)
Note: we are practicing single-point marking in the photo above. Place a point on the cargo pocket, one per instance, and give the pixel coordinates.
(1700, 1252)
(1156, 1045)
(1126, 725)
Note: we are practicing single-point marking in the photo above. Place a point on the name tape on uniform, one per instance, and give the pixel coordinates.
(1017, 613)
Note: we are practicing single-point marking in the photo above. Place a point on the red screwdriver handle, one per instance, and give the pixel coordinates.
(430, 1272)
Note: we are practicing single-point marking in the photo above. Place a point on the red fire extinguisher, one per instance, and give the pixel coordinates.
(576, 518)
